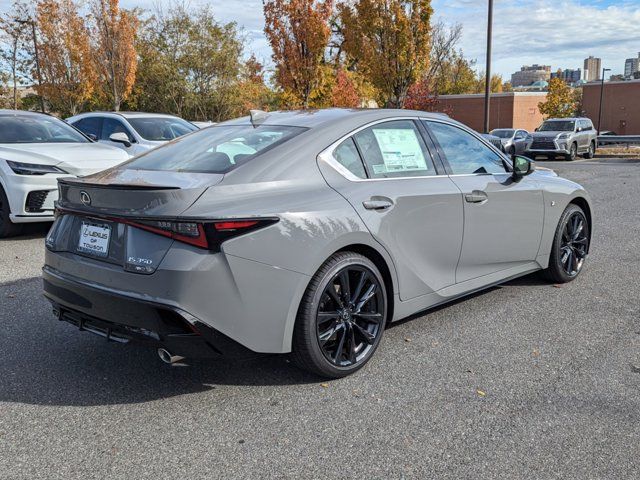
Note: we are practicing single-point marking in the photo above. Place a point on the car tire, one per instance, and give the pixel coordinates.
(570, 244)
(335, 333)
(573, 153)
(7, 227)
(591, 152)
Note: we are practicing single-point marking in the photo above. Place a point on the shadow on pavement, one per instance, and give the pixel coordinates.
(47, 362)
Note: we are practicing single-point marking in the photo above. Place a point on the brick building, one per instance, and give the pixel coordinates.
(620, 106)
(508, 110)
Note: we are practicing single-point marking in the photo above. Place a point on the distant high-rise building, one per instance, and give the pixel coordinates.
(569, 75)
(592, 65)
(631, 66)
(529, 74)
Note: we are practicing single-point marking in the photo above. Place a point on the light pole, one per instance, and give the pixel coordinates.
(35, 52)
(604, 70)
(487, 87)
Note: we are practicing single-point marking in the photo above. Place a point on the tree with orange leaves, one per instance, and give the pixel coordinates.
(298, 31)
(68, 76)
(388, 41)
(114, 55)
(344, 93)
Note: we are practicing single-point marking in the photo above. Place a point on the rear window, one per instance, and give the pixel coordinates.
(161, 129)
(215, 149)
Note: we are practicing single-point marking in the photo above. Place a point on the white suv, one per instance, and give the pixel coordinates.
(135, 132)
(35, 150)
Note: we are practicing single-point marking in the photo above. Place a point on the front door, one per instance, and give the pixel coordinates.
(410, 207)
(502, 218)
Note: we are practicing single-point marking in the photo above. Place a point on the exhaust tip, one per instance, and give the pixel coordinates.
(167, 357)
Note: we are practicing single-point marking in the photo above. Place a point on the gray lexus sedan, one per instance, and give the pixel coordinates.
(303, 232)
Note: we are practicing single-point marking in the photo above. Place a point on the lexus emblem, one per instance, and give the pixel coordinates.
(85, 198)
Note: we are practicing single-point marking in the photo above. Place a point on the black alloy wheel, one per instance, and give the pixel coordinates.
(342, 316)
(570, 246)
(349, 316)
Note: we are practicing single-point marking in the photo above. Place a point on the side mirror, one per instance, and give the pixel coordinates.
(120, 137)
(522, 166)
(93, 137)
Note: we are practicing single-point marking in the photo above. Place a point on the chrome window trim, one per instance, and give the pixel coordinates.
(326, 155)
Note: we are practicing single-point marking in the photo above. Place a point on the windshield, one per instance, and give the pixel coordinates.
(214, 149)
(502, 133)
(37, 129)
(161, 129)
(557, 126)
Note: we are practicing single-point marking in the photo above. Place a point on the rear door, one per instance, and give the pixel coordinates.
(502, 218)
(412, 208)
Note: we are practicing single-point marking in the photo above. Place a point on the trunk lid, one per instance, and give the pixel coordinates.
(96, 213)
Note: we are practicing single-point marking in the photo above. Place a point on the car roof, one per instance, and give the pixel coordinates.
(27, 113)
(127, 114)
(568, 119)
(330, 116)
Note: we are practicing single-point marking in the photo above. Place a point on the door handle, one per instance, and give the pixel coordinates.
(476, 196)
(377, 204)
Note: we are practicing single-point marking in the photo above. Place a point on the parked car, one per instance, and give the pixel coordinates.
(495, 141)
(514, 141)
(135, 132)
(36, 150)
(304, 232)
(564, 137)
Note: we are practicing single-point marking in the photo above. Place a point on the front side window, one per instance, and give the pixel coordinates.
(90, 126)
(464, 152)
(394, 149)
(111, 126)
(37, 129)
(217, 149)
(161, 129)
(346, 154)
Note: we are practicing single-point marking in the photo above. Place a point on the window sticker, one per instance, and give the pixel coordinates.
(400, 149)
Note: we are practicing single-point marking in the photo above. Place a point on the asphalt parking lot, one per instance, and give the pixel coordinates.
(527, 380)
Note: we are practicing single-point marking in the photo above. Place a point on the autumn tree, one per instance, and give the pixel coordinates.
(298, 31)
(15, 45)
(68, 76)
(561, 100)
(388, 41)
(190, 65)
(344, 93)
(113, 50)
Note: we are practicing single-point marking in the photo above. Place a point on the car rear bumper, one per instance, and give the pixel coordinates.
(124, 319)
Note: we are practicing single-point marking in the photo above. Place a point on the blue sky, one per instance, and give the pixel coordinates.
(557, 32)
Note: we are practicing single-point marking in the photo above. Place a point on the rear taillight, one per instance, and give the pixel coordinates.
(207, 234)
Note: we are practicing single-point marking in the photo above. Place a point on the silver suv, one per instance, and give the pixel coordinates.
(565, 137)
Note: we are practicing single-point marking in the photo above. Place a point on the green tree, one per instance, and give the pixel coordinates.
(561, 100)
(387, 41)
(190, 65)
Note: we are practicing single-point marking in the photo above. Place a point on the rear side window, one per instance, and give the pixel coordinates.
(394, 149)
(217, 149)
(346, 154)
